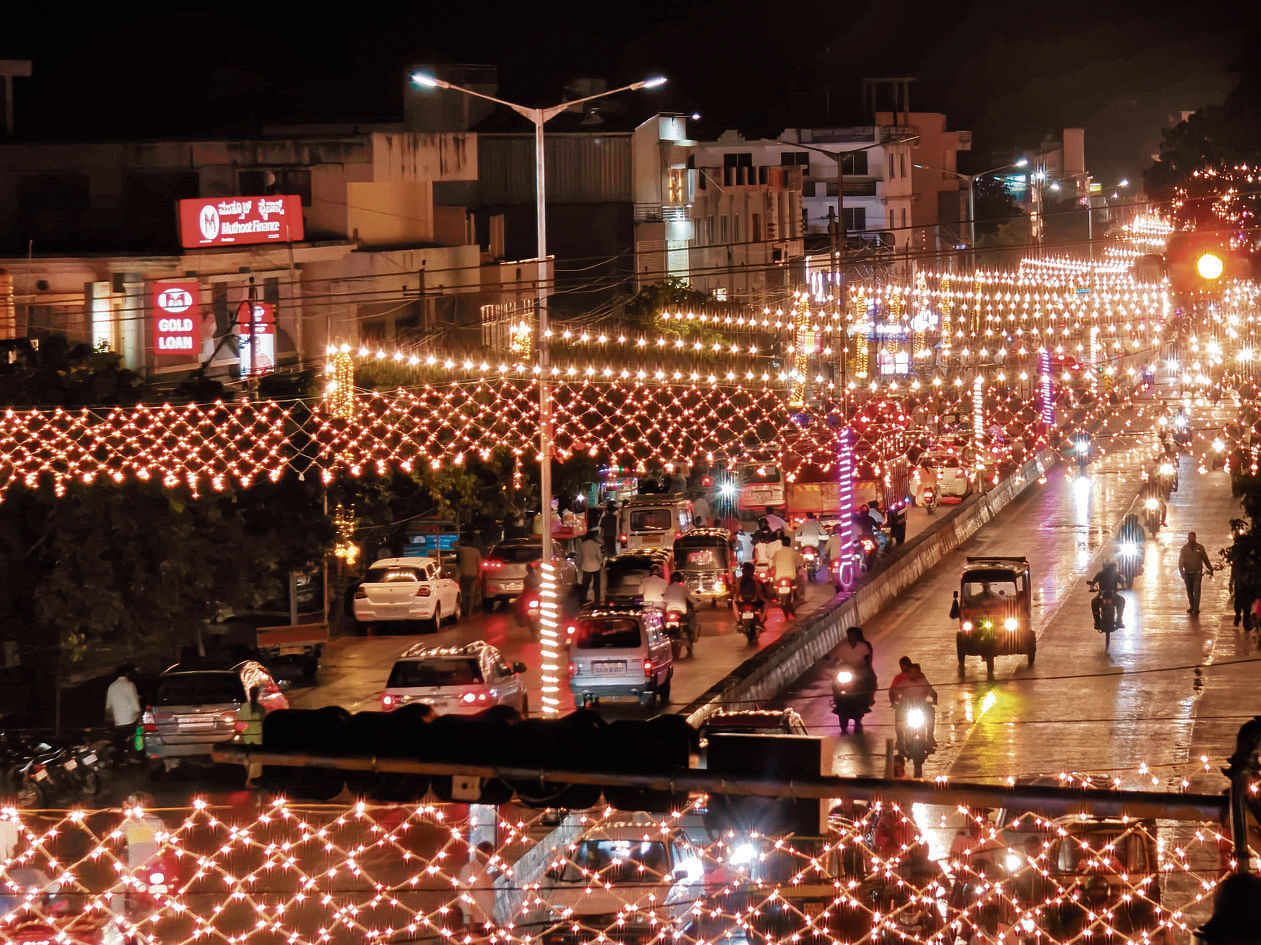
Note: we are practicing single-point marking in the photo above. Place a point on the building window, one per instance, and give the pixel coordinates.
(855, 219)
(891, 223)
(799, 159)
(904, 217)
(265, 182)
(902, 163)
(757, 228)
(855, 162)
(678, 187)
(892, 168)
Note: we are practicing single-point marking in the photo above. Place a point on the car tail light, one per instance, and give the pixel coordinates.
(388, 701)
(573, 670)
(423, 591)
(622, 539)
(148, 722)
(647, 667)
(492, 564)
(361, 594)
(241, 725)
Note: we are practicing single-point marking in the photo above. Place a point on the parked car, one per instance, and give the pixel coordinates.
(753, 722)
(456, 680)
(504, 569)
(629, 879)
(198, 707)
(401, 590)
(618, 652)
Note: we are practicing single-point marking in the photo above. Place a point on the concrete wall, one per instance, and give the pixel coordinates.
(767, 674)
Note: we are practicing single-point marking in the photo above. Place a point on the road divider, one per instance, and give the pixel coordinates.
(766, 674)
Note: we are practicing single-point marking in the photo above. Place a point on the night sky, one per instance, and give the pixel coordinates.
(1009, 72)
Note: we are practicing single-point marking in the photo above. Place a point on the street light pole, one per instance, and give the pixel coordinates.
(540, 117)
(971, 181)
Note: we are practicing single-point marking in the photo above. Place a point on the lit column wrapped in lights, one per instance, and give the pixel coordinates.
(978, 427)
(847, 572)
(1046, 395)
(549, 640)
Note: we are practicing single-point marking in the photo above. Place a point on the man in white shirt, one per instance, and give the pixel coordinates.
(652, 589)
(122, 708)
(810, 532)
(786, 562)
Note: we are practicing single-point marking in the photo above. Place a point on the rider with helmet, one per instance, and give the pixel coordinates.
(1108, 581)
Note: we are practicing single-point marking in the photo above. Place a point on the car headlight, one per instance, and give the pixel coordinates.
(915, 718)
(966, 625)
(1014, 862)
(845, 677)
(1129, 549)
(1152, 504)
(1011, 623)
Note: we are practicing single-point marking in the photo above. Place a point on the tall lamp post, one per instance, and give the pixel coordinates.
(540, 117)
(972, 179)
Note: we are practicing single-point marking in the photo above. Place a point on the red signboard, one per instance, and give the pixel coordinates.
(177, 318)
(237, 221)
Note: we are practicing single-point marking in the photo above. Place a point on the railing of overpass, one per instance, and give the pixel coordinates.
(896, 861)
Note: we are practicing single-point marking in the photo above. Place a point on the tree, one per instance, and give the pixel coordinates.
(672, 294)
(994, 207)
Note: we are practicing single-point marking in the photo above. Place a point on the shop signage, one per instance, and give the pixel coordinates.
(237, 221)
(176, 318)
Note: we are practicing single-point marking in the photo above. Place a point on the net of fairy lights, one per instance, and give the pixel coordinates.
(287, 873)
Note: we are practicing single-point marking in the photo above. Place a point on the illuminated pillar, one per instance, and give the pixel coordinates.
(978, 428)
(1046, 394)
(549, 640)
(847, 575)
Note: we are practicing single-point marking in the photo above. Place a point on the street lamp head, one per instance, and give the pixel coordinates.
(1055, 185)
(427, 81)
(1023, 162)
(653, 83)
(1123, 182)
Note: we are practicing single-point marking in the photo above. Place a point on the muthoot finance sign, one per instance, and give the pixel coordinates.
(177, 318)
(236, 221)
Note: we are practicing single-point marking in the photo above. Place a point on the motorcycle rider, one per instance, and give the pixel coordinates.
(1108, 581)
(652, 589)
(748, 590)
(787, 563)
(911, 687)
(1132, 530)
(855, 654)
(1152, 490)
(675, 600)
(811, 534)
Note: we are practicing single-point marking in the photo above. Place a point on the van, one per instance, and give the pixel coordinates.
(619, 651)
(653, 521)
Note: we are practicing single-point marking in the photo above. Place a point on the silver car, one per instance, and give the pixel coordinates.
(619, 652)
(504, 569)
(456, 680)
(198, 708)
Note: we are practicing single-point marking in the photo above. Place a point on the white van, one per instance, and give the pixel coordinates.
(653, 521)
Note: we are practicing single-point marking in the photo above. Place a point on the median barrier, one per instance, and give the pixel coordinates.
(766, 674)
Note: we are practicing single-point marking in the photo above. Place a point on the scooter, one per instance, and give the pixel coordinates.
(527, 612)
(913, 727)
(1107, 616)
(786, 594)
(852, 694)
(678, 627)
(749, 621)
(869, 549)
(810, 555)
(930, 499)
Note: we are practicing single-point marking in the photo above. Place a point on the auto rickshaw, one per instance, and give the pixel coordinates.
(707, 559)
(993, 606)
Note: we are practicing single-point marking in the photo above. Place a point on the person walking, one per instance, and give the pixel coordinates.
(1243, 587)
(469, 563)
(608, 529)
(590, 562)
(1192, 563)
(122, 708)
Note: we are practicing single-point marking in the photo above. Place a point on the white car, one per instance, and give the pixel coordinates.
(629, 879)
(404, 589)
(951, 472)
(455, 680)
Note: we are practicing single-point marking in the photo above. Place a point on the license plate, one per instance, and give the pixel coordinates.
(608, 667)
(647, 540)
(89, 758)
(40, 775)
(512, 585)
(71, 764)
(199, 724)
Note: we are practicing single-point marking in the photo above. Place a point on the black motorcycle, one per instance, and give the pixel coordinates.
(914, 731)
(749, 620)
(679, 628)
(853, 692)
(1107, 615)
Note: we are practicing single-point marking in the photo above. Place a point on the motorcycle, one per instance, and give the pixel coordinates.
(1082, 449)
(913, 730)
(1107, 615)
(930, 499)
(1129, 562)
(785, 595)
(1151, 515)
(527, 612)
(1168, 478)
(678, 627)
(853, 692)
(810, 555)
(869, 548)
(749, 621)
